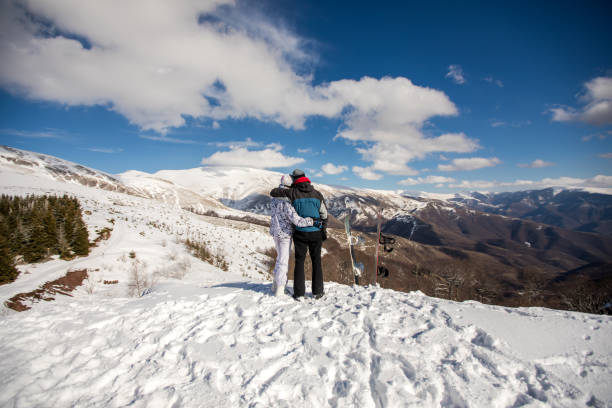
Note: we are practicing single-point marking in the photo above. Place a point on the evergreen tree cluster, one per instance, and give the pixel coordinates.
(36, 227)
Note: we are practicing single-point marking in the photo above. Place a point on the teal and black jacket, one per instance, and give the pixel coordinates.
(307, 202)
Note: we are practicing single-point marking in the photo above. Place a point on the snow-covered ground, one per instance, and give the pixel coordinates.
(204, 337)
(200, 343)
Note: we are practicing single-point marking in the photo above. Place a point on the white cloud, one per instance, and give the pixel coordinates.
(563, 114)
(390, 110)
(248, 142)
(152, 62)
(167, 139)
(494, 81)
(305, 151)
(597, 109)
(388, 115)
(216, 125)
(330, 168)
(389, 158)
(516, 124)
(590, 137)
(606, 155)
(601, 183)
(313, 173)
(366, 173)
(455, 72)
(472, 163)
(260, 159)
(536, 164)
(35, 134)
(104, 150)
(438, 180)
(275, 146)
(159, 62)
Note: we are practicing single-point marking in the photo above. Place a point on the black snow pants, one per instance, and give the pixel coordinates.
(312, 242)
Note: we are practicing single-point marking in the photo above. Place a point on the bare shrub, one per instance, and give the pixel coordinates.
(139, 280)
(182, 266)
(270, 260)
(201, 251)
(587, 300)
(103, 234)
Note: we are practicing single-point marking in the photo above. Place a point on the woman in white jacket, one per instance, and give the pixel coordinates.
(282, 221)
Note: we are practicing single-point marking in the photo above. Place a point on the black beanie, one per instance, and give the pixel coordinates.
(297, 173)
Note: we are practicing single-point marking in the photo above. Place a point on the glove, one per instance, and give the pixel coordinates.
(323, 234)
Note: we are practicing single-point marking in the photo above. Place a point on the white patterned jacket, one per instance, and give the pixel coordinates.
(284, 218)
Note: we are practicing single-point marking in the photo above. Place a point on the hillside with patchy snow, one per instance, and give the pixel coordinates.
(200, 336)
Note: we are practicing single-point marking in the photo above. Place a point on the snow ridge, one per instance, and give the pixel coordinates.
(232, 344)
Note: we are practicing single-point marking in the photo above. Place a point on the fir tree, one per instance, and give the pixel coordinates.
(8, 272)
(80, 245)
(36, 227)
(50, 232)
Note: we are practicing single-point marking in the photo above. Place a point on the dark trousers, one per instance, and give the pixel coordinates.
(312, 242)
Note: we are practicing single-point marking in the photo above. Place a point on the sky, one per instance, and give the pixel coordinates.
(440, 97)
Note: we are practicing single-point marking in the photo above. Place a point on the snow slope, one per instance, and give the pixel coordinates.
(45, 167)
(201, 344)
(203, 337)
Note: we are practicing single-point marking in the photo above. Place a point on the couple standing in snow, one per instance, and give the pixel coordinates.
(296, 202)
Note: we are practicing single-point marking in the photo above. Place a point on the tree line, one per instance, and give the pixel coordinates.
(33, 228)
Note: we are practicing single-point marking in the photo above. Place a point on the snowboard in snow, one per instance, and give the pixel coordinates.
(378, 227)
(356, 267)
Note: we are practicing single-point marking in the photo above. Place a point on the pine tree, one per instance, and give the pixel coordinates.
(50, 232)
(36, 249)
(37, 226)
(80, 245)
(8, 272)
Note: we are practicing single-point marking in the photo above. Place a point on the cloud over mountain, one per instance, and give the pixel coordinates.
(330, 168)
(536, 164)
(597, 100)
(268, 158)
(162, 63)
(366, 173)
(472, 163)
(600, 181)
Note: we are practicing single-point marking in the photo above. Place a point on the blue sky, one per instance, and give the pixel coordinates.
(439, 97)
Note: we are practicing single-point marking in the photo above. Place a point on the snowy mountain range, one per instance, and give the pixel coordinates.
(200, 336)
(247, 189)
(508, 241)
